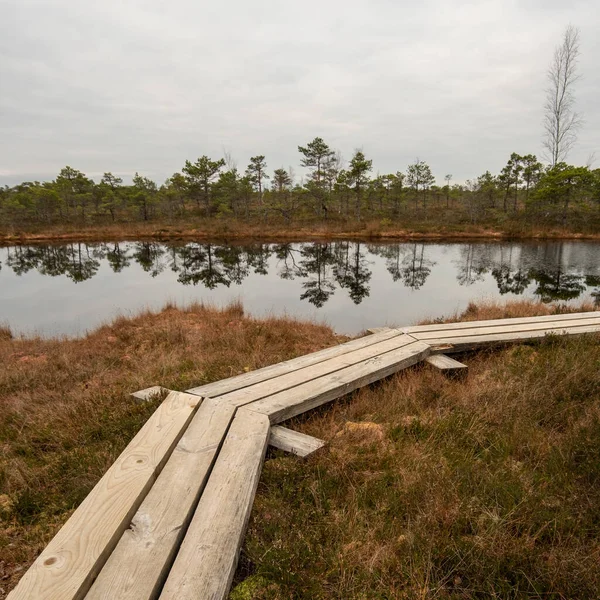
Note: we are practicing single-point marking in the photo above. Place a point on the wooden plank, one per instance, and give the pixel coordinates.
(138, 566)
(377, 329)
(447, 365)
(68, 565)
(501, 322)
(295, 401)
(295, 442)
(206, 561)
(300, 376)
(460, 344)
(218, 388)
(148, 393)
(557, 327)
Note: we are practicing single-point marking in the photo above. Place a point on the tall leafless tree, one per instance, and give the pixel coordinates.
(561, 122)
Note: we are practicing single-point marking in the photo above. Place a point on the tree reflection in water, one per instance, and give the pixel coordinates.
(406, 262)
(547, 270)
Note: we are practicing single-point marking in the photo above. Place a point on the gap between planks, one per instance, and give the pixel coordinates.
(206, 561)
(364, 356)
(139, 565)
(501, 330)
(237, 382)
(441, 327)
(68, 565)
(290, 403)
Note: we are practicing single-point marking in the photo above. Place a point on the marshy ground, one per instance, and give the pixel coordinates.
(480, 487)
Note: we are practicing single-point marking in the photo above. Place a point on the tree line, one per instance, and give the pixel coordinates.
(321, 268)
(333, 189)
(330, 189)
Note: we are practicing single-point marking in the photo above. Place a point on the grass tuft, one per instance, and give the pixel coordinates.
(5, 333)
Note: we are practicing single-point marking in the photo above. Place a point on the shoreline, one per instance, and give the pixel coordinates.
(250, 234)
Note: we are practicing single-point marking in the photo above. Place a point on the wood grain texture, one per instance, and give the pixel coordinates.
(294, 442)
(206, 561)
(148, 393)
(460, 344)
(501, 322)
(284, 382)
(287, 404)
(377, 329)
(446, 364)
(218, 388)
(545, 327)
(68, 565)
(138, 566)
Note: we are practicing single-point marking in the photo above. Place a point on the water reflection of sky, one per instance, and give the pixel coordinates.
(348, 285)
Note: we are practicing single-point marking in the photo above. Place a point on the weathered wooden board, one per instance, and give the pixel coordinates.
(138, 566)
(290, 380)
(289, 403)
(545, 327)
(68, 565)
(377, 329)
(148, 393)
(447, 365)
(501, 322)
(218, 388)
(460, 344)
(206, 561)
(295, 442)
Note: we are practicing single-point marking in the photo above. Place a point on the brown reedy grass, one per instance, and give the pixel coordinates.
(274, 230)
(66, 413)
(483, 487)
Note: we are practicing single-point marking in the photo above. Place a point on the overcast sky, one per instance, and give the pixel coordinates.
(142, 85)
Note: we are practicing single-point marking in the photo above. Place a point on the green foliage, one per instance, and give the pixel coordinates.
(199, 177)
(317, 155)
(256, 173)
(522, 193)
(563, 185)
(109, 193)
(175, 192)
(357, 176)
(420, 179)
(281, 180)
(144, 195)
(226, 193)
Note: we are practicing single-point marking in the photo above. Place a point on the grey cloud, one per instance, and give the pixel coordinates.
(142, 85)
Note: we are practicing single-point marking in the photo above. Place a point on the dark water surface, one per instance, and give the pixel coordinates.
(71, 288)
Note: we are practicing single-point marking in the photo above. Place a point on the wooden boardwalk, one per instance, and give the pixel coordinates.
(168, 518)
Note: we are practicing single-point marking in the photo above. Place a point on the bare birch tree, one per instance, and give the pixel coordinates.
(561, 122)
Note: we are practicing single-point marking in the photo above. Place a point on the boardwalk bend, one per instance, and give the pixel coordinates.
(167, 519)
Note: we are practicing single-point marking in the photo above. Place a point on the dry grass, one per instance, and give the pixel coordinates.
(66, 413)
(218, 229)
(5, 332)
(482, 488)
(487, 487)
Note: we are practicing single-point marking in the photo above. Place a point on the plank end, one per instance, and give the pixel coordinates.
(149, 393)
